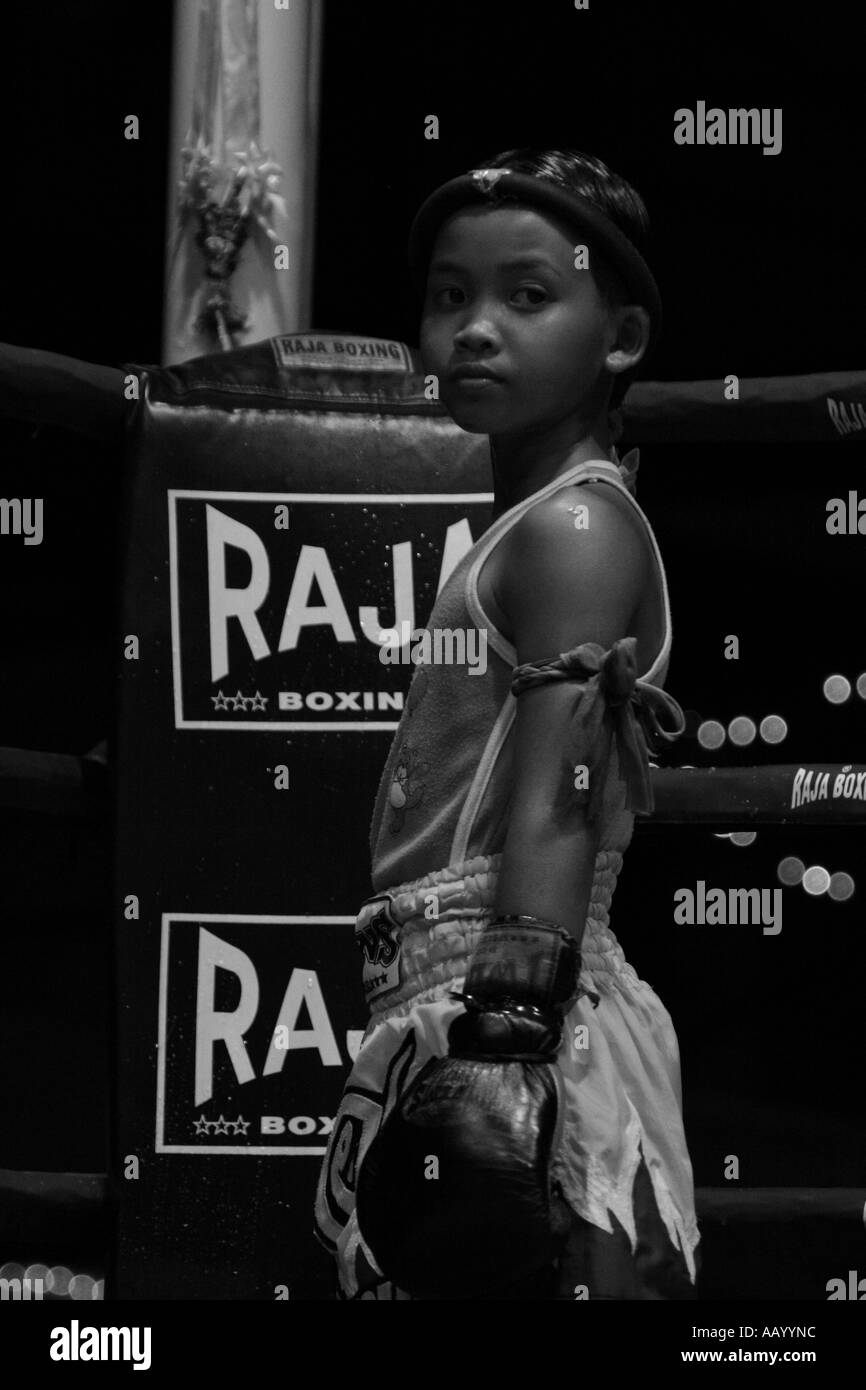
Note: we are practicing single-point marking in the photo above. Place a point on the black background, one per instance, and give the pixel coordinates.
(760, 264)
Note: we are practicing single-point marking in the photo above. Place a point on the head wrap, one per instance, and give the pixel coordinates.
(492, 185)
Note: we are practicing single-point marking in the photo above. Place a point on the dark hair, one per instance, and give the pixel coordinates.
(589, 177)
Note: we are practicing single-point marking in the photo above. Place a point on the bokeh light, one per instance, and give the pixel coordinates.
(81, 1286)
(837, 689)
(774, 729)
(744, 837)
(790, 871)
(58, 1280)
(711, 734)
(742, 731)
(841, 887)
(59, 1277)
(816, 880)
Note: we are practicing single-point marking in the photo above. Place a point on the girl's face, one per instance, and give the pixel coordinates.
(503, 294)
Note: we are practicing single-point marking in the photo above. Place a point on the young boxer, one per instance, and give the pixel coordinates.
(512, 1126)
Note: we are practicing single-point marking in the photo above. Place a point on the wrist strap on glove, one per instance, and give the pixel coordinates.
(524, 965)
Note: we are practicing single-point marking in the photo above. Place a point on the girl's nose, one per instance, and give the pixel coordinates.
(478, 332)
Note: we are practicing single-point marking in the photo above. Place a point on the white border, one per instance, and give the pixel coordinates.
(311, 727)
(166, 919)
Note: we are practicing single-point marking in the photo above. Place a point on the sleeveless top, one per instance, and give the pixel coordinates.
(445, 792)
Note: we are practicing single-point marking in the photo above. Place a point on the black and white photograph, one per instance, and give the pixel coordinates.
(433, 693)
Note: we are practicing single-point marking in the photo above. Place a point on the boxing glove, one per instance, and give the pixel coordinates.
(454, 1196)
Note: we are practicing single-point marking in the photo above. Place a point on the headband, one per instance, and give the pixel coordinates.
(490, 185)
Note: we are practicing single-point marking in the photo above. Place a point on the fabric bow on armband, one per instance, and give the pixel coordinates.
(609, 693)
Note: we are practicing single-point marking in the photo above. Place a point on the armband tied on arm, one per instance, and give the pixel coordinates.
(610, 698)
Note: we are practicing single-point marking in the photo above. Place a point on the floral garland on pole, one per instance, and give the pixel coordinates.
(228, 205)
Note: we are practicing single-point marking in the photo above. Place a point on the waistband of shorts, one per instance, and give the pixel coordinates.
(438, 919)
(460, 890)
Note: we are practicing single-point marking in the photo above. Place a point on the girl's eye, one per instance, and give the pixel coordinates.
(450, 296)
(537, 296)
(438, 296)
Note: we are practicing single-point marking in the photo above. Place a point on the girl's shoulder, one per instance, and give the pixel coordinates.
(603, 513)
(573, 550)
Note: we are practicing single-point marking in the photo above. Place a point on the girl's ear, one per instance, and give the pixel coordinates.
(631, 338)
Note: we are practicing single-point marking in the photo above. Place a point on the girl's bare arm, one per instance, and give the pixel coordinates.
(561, 587)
